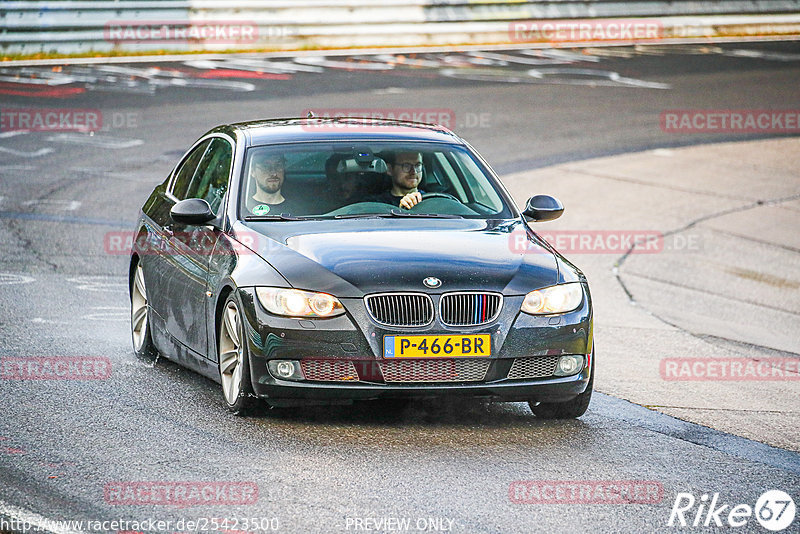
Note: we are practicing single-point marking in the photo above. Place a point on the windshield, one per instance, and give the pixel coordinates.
(326, 180)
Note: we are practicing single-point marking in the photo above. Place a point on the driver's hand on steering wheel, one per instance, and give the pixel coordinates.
(411, 200)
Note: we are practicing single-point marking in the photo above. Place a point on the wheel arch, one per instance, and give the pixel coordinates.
(131, 273)
(224, 292)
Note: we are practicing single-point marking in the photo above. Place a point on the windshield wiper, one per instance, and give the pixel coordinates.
(360, 215)
(281, 217)
(396, 213)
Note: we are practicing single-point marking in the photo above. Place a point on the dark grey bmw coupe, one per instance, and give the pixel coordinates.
(327, 260)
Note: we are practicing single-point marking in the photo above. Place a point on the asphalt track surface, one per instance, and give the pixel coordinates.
(452, 465)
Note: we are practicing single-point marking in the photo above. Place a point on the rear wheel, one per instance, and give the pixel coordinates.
(140, 321)
(566, 410)
(234, 368)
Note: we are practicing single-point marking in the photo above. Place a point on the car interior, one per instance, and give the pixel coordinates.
(342, 183)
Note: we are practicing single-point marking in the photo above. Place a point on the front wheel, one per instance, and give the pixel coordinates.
(566, 410)
(234, 367)
(140, 324)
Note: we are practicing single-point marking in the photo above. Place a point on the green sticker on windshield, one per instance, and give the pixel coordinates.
(261, 209)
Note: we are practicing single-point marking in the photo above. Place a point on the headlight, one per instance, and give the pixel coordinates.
(554, 299)
(296, 303)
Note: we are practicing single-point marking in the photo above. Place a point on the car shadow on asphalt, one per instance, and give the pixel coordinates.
(412, 412)
(385, 414)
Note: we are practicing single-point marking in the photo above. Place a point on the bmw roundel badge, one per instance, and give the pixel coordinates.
(432, 282)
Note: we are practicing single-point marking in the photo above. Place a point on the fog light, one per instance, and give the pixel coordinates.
(286, 369)
(569, 365)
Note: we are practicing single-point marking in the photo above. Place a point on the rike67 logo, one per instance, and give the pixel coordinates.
(774, 510)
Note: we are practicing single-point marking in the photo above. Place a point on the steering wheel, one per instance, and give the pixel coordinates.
(426, 196)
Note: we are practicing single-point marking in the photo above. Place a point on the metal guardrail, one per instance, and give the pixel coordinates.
(84, 26)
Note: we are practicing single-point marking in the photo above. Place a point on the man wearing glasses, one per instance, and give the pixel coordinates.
(405, 169)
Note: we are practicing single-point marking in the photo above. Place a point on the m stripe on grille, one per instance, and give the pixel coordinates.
(469, 309)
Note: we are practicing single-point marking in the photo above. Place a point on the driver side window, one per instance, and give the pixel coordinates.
(205, 173)
(184, 174)
(210, 180)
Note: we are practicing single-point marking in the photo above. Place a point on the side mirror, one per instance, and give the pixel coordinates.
(543, 208)
(192, 211)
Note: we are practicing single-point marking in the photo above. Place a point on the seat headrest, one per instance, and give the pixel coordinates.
(353, 165)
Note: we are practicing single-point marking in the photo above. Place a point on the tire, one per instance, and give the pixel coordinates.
(234, 364)
(566, 410)
(141, 336)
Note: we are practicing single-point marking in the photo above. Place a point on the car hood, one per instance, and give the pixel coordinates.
(350, 258)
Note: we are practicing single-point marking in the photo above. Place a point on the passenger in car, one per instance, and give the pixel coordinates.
(269, 172)
(405, 170)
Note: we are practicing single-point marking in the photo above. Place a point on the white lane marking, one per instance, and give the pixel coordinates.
(508, 58)
(147, 73)
(561, 76)
(254, 65)
(33, 521)
(400, 60)
(166, 78)
(54, 204)
(564, 55)
(109, 313)
(487, 75)
(14, 168)
(758, 54)
(213, 84)
(348, 65)
(99, 283)
(390, 91)
(464, 60)
(611, 51)
(663, 152)
(95, 141)
(553, 76)
(13, 133)
(689, 49)
(42, 320)
(117, 78)
(33, 80)
(277, 66)
(20, 153)
(7, 279)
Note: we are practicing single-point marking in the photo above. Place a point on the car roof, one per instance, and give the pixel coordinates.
(295, 130)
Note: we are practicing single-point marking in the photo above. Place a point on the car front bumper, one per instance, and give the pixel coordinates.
(354, 338)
